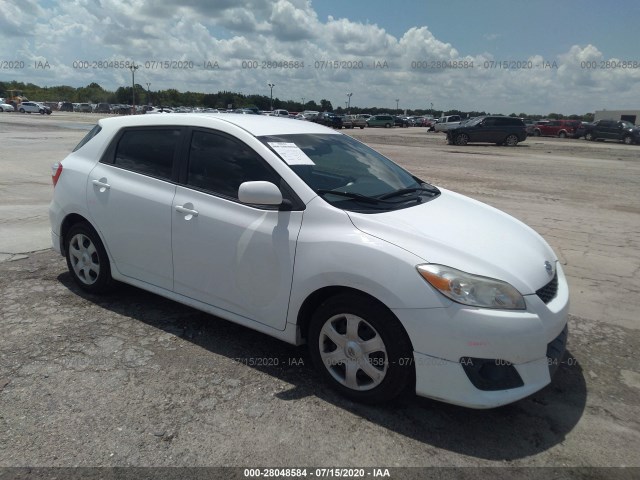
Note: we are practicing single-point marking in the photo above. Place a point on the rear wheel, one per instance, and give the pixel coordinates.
(360, 348)
(511, 140)
(87, 259)
(22, 110)
(536, 133)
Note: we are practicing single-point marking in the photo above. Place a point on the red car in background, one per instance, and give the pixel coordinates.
(556, 128)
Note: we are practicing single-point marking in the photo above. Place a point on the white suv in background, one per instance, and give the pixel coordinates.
(33, 107)
(397, 283)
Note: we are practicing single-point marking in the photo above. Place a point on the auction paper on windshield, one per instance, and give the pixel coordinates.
(291, 153)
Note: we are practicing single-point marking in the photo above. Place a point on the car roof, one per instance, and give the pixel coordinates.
(257, 125)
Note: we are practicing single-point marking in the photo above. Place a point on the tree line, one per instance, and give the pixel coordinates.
(94, 93)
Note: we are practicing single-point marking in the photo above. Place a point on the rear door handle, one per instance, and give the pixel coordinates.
(102, 185)
(186, 211)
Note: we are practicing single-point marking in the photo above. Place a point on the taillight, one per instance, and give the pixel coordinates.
(56, 171)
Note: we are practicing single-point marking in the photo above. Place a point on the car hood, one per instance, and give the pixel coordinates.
(465, 234)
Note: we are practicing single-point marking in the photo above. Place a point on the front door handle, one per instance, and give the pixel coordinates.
(186, 211)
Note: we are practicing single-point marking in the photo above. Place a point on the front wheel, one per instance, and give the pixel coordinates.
(589, 136)
(22, 110)
(627, 140)
(462, 139)
(387, 125)
(87, 259)
(361, 127)
(511, 140)
(360, 349)
(562, 135)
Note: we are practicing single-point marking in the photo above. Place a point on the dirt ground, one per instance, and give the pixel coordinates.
(132, 379)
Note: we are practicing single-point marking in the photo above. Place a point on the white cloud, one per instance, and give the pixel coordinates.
(233, 34)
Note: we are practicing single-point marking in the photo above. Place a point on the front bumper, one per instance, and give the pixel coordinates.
(522, 349)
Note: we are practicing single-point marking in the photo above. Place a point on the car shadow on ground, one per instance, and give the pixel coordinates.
(515, 431)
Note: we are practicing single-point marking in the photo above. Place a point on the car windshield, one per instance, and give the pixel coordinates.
(349, 174)
(626, 124)
(472, 121)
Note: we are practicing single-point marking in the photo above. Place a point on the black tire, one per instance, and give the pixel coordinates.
(390, 361)
(49, 112)
(589, 136)
(562, 135)
(628, 140)
(41, 112)
(461, 139)
(387, 125)
(511, 140)
(536, 133)
(84, 248)
(361, 127)
(22, 110)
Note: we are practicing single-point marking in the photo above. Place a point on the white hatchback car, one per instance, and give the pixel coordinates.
(308, 235)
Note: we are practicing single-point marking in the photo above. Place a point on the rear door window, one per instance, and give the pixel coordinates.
(148, 151)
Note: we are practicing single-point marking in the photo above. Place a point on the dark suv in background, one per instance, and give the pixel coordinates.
(328, 119)
(489, 129)
(620, 130)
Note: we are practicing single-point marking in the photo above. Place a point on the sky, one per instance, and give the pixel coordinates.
(498, 56)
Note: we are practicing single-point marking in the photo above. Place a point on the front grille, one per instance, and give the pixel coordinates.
(549, 291)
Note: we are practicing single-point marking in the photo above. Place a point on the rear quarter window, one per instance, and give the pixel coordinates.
(92, 133)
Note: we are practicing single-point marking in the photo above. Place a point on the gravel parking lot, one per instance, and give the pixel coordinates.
(132, 379)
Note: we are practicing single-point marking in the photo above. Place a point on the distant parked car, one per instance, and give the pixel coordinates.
(357, 121)
(83, 107)
(6, 107)
(103, 108)
(328, 119)
(346, 121)
(280, 113)
(386, 121)
(423, 122)
(401, 122)
(33, 107)
(447, 122)
(489, 129)
(152, 110)
(556, 128)
(581, 130)
(65, 107)
(619, 130)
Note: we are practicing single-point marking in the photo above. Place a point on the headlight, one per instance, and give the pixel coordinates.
(470, 289)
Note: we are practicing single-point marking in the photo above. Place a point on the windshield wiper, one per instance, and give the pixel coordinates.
(404, 191)
(354, 196)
